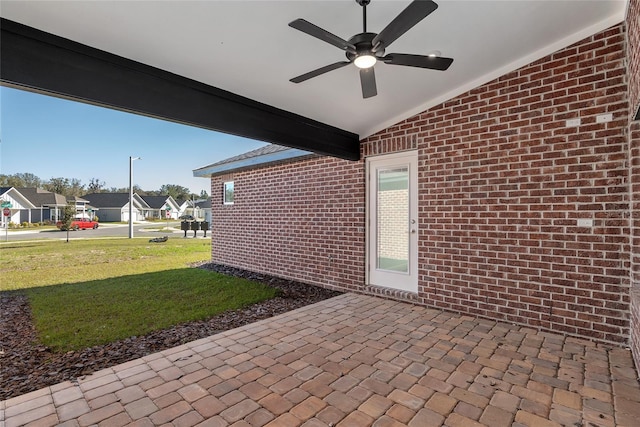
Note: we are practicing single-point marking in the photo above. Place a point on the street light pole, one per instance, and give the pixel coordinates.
(131, 159)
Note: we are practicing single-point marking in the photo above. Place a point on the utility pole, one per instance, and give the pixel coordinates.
(131, 159)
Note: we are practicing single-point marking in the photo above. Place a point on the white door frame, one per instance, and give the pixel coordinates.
(404, 281)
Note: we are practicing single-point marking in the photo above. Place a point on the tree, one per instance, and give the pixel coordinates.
(139, 191)
(76, 188)
(58, 185)
(95, 186)
(136, 189)
(65, 186)
(8, 181)
(30, 180)
(68, 214)
(175, 191)
(20, 180)
(73, 187)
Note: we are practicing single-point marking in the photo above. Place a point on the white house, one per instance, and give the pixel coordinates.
(18, 204)
(161, 207)
(114, 207)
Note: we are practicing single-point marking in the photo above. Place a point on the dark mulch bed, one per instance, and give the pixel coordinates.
(25, 365)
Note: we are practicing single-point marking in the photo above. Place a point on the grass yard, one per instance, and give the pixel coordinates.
(91, 292)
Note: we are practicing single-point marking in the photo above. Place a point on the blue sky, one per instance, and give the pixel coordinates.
(52, 137)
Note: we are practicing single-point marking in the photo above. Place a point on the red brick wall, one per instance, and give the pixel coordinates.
(502, 184)
(302, 220)
(633, 49)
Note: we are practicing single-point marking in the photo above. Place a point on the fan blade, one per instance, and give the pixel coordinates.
(368, 82)
(319, 71)
(420, 61)
(414, 13)
(324, 35)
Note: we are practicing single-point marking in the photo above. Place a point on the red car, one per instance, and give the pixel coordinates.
(79, 224)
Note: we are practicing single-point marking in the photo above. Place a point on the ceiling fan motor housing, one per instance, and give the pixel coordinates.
(364, 46)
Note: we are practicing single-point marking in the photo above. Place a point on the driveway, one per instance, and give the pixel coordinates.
(354, 361)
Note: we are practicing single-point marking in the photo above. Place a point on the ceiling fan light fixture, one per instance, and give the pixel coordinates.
(365, 49)
(365, 61)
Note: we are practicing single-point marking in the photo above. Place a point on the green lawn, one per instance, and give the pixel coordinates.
(91, 292)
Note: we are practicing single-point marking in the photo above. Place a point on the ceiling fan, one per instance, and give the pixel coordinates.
(365, 49)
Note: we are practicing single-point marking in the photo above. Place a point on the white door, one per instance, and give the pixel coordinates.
(392, 252)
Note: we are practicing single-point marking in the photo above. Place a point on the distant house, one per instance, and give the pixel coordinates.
(158, 206)
(183, 205)
(19, 204)
(37, 205)
(83, 208)
(114, 207)
(204, 207)
(47, 206)
(200, 209)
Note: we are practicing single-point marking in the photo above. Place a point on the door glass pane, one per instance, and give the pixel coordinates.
(392, 252)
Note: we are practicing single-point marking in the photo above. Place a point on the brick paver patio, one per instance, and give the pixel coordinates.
(354, 361)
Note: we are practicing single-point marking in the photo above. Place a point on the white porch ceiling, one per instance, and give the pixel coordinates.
(246, 47)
